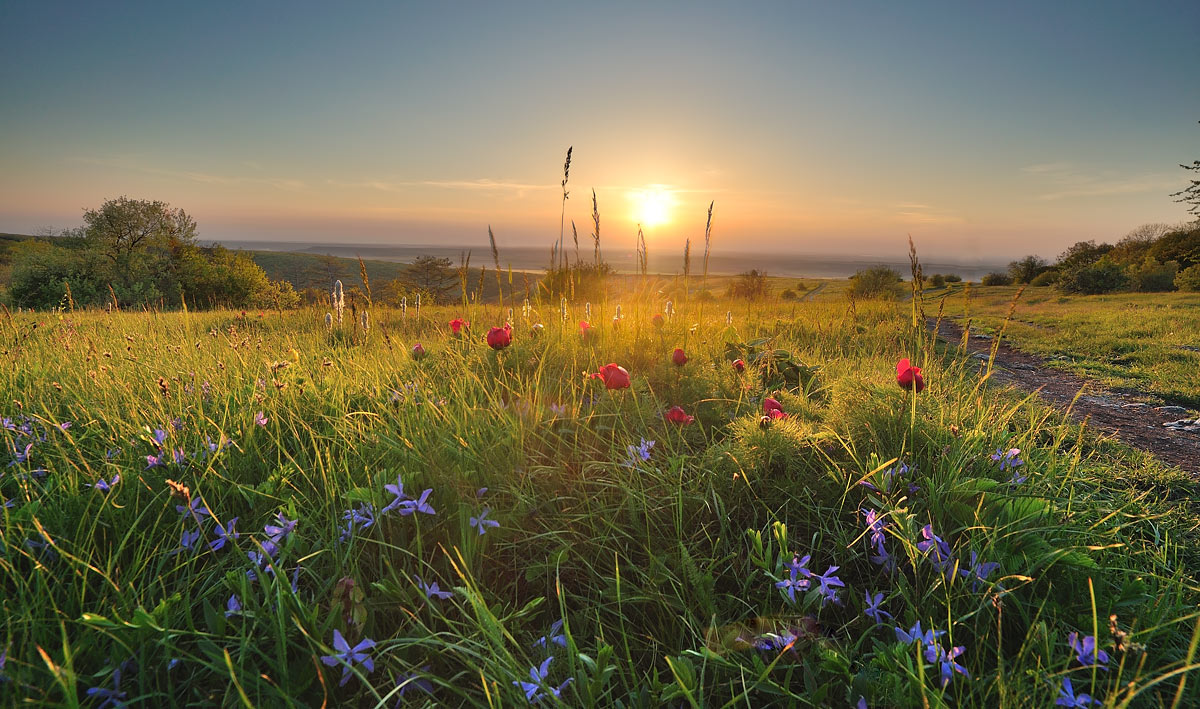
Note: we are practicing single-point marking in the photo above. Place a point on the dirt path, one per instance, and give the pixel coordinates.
(1135, 422)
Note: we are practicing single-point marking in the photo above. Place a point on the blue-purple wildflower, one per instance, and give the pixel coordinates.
(109, 697)
(412, 680)
(357, 519)
(946, 661)
(105, 485)
(420, 504)
(1068, 698)
(1008, 459)
(482, 522)
(432, 590)
(872, 610)
(978, 571)
(639, 453)
(533, 690)
(225, 534)
(555, 636)
(233, 606)
(938, 551)
(349, 656)
(827, 584)
(798, 577)
(1086, 652)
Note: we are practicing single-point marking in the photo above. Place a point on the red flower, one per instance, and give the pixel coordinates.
(614, 376)
(500, 337)
(585, 329)
(739, 365)
(679, 357)
(457, 324)
(418, 352)
(774, 409)
(908, 376)
(676, 415)
(657, 320)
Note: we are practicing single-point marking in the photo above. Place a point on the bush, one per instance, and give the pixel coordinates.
(751, 285)
(1152, 276)
(788, 294)
(1189, 279)
(997, 279)
(1182, 246)
(937, 280)
(875, 282)
(953, 278)
(1045, 278)
(1101, 277)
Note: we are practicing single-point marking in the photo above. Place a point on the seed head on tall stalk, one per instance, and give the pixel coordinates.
(496, 261)
(562, 220)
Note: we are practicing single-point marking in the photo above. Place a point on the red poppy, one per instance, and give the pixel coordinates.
(418, 352)
(657, 320)
(585, 329)
(500, 337)
(614, 376)
(457, 325)
(739, 365)
(908, 376)
(676, 415)
(679, 357)
(774, 409)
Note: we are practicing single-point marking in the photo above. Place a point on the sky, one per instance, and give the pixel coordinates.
(984, 130)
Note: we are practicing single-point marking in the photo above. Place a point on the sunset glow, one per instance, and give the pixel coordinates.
(652, 206)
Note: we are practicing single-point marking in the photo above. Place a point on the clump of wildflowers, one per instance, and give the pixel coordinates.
(349, 656)
(535, 689)
(638, 453)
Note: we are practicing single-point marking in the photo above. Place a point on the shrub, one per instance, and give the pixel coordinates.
(1152, 276)
(997, 279)
(1189, 279)
(751, 285)
(788, 294)
(937, 280)
(1045, 278)
(1101, 277)
(875, 282)
(953, 278)
(1026, 269)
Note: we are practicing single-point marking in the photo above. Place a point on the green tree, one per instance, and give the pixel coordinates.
(1026, 269)
(433, 276)
(1190, 195)
(751, 285)
(1082, 253)
(875, 282)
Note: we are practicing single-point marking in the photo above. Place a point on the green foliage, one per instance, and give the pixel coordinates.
(1045, 278)
(937, 280)
(1103, 276)
(875, 282)
(750, 285)
(1182, 246)
(1080, 254)
(1151, 276)
(997, 279)
(1026, 269)
(953, 278)
(1189, 279)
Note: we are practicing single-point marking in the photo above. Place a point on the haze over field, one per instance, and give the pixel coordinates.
(984, 131)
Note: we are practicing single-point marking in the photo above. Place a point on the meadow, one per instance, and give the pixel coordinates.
(260, 509)
(1136, 342)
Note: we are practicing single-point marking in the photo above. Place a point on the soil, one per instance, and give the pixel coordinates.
(1129, 416)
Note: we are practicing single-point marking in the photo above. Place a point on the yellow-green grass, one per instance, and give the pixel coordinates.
(664, 571)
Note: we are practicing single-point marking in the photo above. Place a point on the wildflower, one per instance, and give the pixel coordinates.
(111, 697)
(155, 461)
(160, 436)
(104, 486)
(776, 641)
(613, 376)
(420, 504)
(535, 330)
(538, 674)
(418, 352)
(559, 410)
(1017, 478)
(411, 680)
(638, 453)
(260, 419)
(585, 329)
(67, 424)
(1068, 698)
(482, 522)
(773, 408)
(233, 606)
(977, 571)
(225, 533)
(826, 584)
(936, 654)
(555, 636)
(362, 517)
(179, 456)
(914, 635)
(1007, 459)
(432, 590)
(872, 610)
(499, 337)
(798, 577)
(21, 456)
(112, 453)
(282, 528)
(909, 377)
(678, 357)
(677, 415)
(937, 549)
(457, 325)
(739, 365)
(349, 656)
(193, 508)
(657, 320)
(1086, 652)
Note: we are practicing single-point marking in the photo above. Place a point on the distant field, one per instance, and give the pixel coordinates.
(1140, 341)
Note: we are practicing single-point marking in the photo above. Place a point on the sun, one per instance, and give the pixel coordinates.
(652, 206)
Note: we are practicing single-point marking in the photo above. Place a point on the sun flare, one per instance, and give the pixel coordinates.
(652, 206)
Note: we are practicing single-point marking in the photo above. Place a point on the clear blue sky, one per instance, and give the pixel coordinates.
(981, 128)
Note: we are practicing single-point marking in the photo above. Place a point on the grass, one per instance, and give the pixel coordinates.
(662, 572)
(1134, 341)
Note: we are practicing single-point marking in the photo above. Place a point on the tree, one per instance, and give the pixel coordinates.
(875, 282)
(751, 285)
(1190, 195)
(325, 270)
(996, 279)
(431, 275)
(1082, 253)
(1182, 245)
(1103, 276)
(1026, 269)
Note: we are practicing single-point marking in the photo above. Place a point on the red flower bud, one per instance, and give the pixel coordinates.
(457, 325)
(774, 409)
(657, 320)
(676, 415)
(614, 376)
(499, 337)
(418, 352)
(739, 365)
(909, 377)
(679, 357)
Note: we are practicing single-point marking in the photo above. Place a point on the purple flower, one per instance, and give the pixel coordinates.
(177, 423)
(533, 690)
(639, 453)
(225, 533)
(914, 635)
(111, 697)
(1068, 698)
(260, 419)
(482, 522)
(193, 508)
(1007, 459)
(349, 656)
(412, 680)
(826, 584)
(873, 610)
(112, 453)
(935, 654)
(21, 456)
(180, 457)
(282, 528)
(938, 551)
(418, 505)
(798, 577)
(233, 606)
(105, 486)
(978, 571)
(159, 437)
(64, 425)
(555, 636)
(432, 590)
(1086, 652)
(155, 461)
(187, 540)
(400, 498)
(360, 517)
